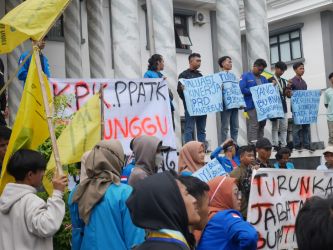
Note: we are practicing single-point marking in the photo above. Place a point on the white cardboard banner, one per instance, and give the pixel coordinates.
(275, 199)
(131, 108)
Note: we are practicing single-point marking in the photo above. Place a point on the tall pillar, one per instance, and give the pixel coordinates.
(229, 44)
(15, 88)
(164, 36)
(228, 33)
(126, 39)
(257, 36)
(96, 39)
(72, 33)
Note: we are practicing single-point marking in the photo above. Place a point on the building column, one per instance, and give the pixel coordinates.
(15, 89)
(126, 39)
(228, 33)
(257, 36)
(164, 38)
(229, 44)
(72, 33)
(96, 39)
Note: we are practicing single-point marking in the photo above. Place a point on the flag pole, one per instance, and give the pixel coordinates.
(47, 111)
(101, 94)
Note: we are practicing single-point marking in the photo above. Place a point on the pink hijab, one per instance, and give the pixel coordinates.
(189, 157)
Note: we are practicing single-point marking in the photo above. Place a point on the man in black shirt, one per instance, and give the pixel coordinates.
(190, 121)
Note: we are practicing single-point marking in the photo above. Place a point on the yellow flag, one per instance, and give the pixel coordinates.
(30, 19)
(30, 128)
(81, 135)
(267, 75)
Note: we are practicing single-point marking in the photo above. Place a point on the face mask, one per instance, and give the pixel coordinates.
(159, 160)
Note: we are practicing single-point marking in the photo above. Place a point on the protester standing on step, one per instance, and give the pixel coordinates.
(229, 117)
(192, 121)
(255, 129)
(301, 133)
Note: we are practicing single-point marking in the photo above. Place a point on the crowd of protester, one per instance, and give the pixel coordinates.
(134, 206)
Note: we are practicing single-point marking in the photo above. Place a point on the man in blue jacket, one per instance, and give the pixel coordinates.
(255, 129)
(23, 72)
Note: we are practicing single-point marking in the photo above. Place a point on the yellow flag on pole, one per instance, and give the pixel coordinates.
(30, 128)
(30, 19)
(81, 135)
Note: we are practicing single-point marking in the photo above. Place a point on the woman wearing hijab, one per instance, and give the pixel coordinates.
(191, 158)
(148, 157)
(101, 201)
(77, 223)
(226, 229)
(162, 205)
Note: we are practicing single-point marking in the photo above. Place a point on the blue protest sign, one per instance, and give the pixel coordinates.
(211, 170)
(305, 105)
(203, 95)
(232, 95)
(267, 101)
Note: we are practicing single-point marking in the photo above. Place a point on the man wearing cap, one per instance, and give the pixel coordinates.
(328, 155)
(264, 150)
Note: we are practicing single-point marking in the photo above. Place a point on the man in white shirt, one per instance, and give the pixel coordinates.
(328, 155)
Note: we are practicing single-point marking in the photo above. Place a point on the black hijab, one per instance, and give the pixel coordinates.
(156, 203)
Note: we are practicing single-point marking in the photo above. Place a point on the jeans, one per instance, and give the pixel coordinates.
(229, 117)
(301, 131)
(280, 126)
(255, 129)
(190, 122)
(330, 132)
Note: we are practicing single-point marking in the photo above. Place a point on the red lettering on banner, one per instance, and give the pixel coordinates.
(152, 128)
(165, 131)
(134, 127)
(305, 191)
(117, 124)
(286, 230)
(293, 205)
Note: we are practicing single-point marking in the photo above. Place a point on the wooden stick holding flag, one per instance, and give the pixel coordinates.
(101, 96)
(48, 112)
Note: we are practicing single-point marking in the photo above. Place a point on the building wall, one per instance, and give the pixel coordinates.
(313, 53)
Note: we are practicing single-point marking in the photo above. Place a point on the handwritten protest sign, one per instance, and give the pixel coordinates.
(131, 108)
(232, 95)
(305, 105)
(267, 101)
(203, 95)
(211, 170)
(276, 197)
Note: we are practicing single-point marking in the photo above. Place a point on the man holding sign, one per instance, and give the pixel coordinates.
(190, 121)
(299, 130)
(232, 98)
(255, 129)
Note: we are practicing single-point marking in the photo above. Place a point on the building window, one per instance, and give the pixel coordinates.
(286, 46)
(56, 33)
(183, 40)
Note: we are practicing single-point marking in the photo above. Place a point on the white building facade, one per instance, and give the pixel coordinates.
(113, 38)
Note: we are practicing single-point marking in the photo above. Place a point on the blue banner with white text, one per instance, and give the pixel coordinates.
(305, 106)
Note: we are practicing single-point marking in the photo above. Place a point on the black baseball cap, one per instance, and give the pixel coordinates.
(264, 143)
